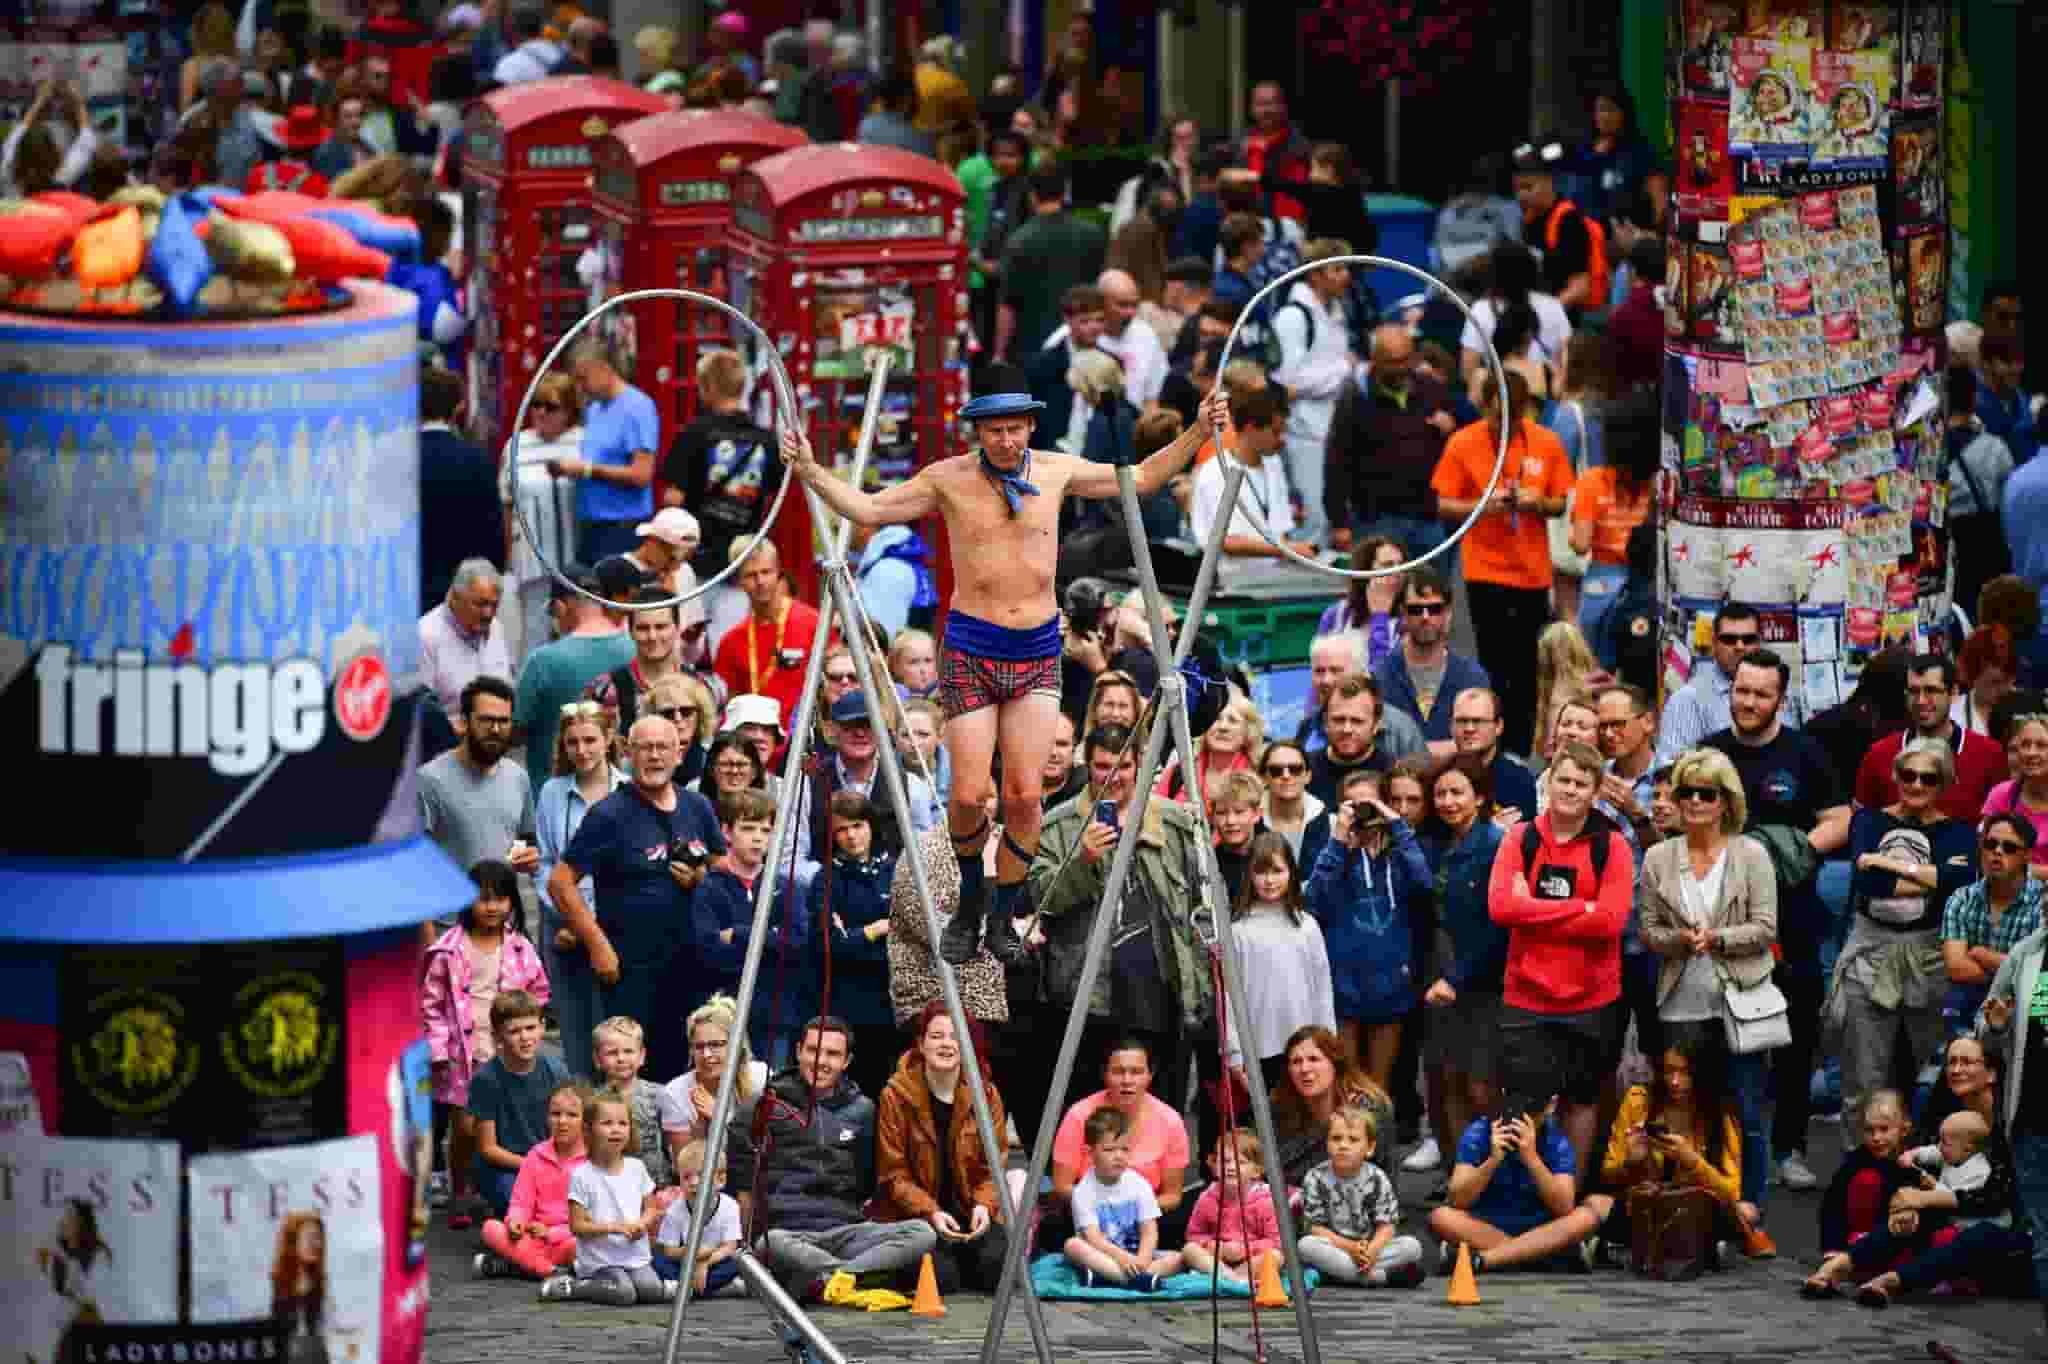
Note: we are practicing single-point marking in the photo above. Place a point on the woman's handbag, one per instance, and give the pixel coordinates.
(1756, 1017)
(1671, 1230)
(1563, 558)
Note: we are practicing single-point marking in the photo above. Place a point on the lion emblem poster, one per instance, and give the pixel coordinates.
(88, 1239)
(292, 1236)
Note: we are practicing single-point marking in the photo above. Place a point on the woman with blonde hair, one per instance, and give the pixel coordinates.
(554, 431)
(213, 40)
(386, 183)
(1115, 699)
(1231, 743)
(716, 1041)
(1112, 430)
(585, 772)
(1564, 666)
(685, 701)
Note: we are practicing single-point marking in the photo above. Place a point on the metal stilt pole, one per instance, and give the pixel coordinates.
(840, 582)
(761, 1283)
(1219, 897)
(1106, 915)
(764, 894)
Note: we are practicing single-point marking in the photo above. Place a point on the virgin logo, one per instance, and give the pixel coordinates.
(362, 697)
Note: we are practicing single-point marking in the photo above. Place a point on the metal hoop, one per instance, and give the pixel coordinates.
(785, 395)
(1500, 378)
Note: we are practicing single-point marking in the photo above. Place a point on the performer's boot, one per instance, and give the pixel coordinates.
(1000, 935)
(961, 937)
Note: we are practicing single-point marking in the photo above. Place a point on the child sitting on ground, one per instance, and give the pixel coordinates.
(534, 1237)
(1233, 1229)
(1116, 1214)
(619, 1045)
(1861, 1191)
(508, 1099)
(1351, 1210)
(1956, 1163)
(612, 1213)
(718, 1251)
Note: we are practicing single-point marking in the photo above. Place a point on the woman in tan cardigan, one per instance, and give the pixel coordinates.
(1710, 910)
(929, 1162)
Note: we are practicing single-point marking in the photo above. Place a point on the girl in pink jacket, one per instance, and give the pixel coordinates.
(1234, 1227)
(534, 1238)
(470, 965)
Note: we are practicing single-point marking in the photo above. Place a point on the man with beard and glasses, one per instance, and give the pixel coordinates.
(473, 803)
(1980, 761)
(645, 848)
(1420, 676)
(1788, 780)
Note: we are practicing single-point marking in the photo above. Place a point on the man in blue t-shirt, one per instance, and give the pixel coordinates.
(646, 848)
(1514, 1190)
(621, 432)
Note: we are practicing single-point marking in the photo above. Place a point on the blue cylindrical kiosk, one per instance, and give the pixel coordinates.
(214, 1133)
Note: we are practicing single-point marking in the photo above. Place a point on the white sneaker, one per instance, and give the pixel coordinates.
(1427, 1156)
(558, 1288)
(1794, 1173)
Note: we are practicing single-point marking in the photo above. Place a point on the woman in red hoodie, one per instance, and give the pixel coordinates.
(1562, 886)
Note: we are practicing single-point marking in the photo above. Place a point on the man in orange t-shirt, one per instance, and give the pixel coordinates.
(1507, 551)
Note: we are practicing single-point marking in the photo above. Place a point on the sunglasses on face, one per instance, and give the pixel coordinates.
(846, 678)
(1913, 776)
(673, 712)
(1705, 793)
(1425, 608)
(1740, 641)
(2009, 847)
(1285, 770)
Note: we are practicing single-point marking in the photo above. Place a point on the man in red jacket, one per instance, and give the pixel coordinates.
(1564, 899)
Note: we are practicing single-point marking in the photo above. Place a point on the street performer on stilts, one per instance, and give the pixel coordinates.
(999, 672)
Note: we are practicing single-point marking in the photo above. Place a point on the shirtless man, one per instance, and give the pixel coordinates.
(999, 675)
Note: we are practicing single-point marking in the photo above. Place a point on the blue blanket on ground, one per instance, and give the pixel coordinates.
(1052, 1277)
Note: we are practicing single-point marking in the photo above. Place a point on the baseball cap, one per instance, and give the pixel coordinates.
(619, 577)
(672, 526)
(751, 709)
(851, 709)
(580, 575)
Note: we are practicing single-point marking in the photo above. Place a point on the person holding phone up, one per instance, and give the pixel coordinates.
(2014, 1020)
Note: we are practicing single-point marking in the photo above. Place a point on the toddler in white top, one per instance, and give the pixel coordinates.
(613, 1214)
(1957, 1163)
(1116, 1214)
(718, 1252)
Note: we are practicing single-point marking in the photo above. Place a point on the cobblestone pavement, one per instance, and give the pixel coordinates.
(1750, 1314)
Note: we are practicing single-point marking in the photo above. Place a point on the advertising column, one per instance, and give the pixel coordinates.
(214, 1125)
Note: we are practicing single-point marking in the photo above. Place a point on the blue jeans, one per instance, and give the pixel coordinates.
(495, 1186)
(1750, 1076)
(721, 1274)
(1980, 1252)
(2030, 1171)
(1599, 590)
(574, 993)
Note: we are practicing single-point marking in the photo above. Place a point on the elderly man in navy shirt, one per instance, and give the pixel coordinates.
(645, 848)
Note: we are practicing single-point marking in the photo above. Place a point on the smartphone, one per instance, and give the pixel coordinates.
(1656, 1129)
(1106, 812)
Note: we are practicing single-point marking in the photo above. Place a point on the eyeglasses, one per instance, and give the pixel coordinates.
(673, 712)
(735, 766)
(709, 1048)
(1426, 608)
(1709, 794)
(1913, 776)
(490, 722)
(846, 678)
(1740, 641)
(1286, 769)
(2009, 847)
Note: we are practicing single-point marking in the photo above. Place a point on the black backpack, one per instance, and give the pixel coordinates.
(1598, 826)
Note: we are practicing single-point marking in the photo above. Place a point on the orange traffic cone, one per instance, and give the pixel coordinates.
(1272, 1293)
(1464, 1290)
(927, 1303)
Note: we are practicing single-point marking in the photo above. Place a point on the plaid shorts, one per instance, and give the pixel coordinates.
(969, 682)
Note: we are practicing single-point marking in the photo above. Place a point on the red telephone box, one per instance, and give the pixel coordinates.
(662, 199)
(526, 223)
(838, 249)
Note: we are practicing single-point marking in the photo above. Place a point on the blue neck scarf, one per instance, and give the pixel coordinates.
(1013, 486)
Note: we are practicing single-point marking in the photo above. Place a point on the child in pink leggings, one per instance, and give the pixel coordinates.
(534, 1240)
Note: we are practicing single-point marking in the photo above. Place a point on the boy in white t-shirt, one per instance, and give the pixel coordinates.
(718, 1252)
(1116, 1214)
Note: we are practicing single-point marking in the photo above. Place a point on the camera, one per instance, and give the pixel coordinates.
(689, 852)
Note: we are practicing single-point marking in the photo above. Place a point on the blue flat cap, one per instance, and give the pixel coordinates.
(1001, 405)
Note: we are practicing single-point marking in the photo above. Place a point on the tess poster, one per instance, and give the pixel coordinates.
(293, 1236)
(88, 1236)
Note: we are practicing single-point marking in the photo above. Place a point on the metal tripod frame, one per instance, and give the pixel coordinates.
(1173, 702)
(844, 609)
